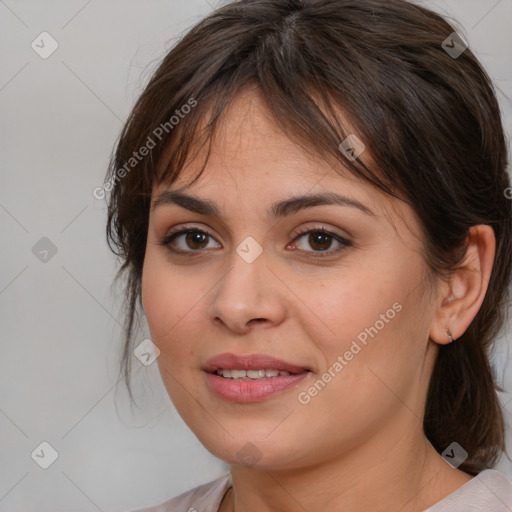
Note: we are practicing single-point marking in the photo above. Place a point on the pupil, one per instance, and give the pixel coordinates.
(320, 239)
(196, 238)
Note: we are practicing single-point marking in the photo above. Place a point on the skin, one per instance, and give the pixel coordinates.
(363, 430)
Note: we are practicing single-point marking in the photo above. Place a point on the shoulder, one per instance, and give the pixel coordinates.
(489, 491)
(203, 498)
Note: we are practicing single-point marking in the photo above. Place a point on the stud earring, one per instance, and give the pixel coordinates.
(449, 333)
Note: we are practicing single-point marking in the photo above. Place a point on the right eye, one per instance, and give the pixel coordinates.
(184, 241)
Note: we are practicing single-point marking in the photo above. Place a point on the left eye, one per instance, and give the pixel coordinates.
(321, 240)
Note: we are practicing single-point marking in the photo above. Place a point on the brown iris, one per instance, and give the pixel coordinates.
(196, 237)
(319, 241)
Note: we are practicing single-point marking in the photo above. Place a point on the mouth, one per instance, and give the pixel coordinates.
(251, 378)
(252, 374)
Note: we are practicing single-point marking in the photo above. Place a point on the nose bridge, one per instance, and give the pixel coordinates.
(241, 285)
(244, 294)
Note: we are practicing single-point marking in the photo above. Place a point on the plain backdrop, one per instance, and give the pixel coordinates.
(60, 321)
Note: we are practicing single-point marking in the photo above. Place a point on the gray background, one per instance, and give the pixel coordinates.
(59, 321)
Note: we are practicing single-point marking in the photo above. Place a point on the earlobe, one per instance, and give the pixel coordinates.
(461, 296)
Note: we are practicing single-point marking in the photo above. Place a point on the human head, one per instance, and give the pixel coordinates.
(430, 123)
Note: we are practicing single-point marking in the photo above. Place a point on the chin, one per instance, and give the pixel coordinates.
(253, 451)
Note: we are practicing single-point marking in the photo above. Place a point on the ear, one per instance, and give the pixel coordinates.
(460, 297)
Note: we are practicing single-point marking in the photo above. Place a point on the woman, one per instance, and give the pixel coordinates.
(309, 202)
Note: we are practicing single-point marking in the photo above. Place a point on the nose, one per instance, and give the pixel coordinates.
(249, 294)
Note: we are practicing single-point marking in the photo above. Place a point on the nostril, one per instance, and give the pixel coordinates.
(257, 320)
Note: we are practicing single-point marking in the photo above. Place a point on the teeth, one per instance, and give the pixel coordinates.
(250, 374)
(254, 374)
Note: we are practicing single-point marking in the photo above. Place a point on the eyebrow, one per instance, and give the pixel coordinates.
(278, 210)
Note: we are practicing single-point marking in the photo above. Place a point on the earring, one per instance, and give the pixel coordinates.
(449, 333)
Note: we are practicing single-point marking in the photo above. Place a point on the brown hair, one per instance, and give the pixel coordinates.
(430, 121)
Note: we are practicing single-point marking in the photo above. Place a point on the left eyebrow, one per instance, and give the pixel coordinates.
(295, 204)
(278, 210)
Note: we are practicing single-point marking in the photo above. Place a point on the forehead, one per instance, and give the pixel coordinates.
(249, 147)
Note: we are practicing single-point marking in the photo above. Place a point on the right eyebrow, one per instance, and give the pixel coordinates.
(191, 203)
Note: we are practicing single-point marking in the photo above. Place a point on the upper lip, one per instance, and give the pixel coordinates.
(229, 361)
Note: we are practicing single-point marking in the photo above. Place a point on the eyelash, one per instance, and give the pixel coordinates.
(170, 237)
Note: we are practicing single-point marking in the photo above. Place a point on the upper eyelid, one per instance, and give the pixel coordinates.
(302, 231)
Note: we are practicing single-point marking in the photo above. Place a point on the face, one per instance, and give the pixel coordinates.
(336, 289)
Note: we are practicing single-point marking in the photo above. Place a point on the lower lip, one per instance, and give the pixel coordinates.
(251, 390)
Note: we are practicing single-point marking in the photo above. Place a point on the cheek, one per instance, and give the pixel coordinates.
(375, 351)
(349, 308)
(168, 298)
(368, 320)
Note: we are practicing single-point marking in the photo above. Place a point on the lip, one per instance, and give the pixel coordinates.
(255, 390)
(251, 390)
(229, 361)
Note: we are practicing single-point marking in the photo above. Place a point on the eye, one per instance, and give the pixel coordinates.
(187, 240)
(194, 240)
(321, 241)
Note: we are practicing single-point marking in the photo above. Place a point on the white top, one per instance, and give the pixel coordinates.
(489, 491)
